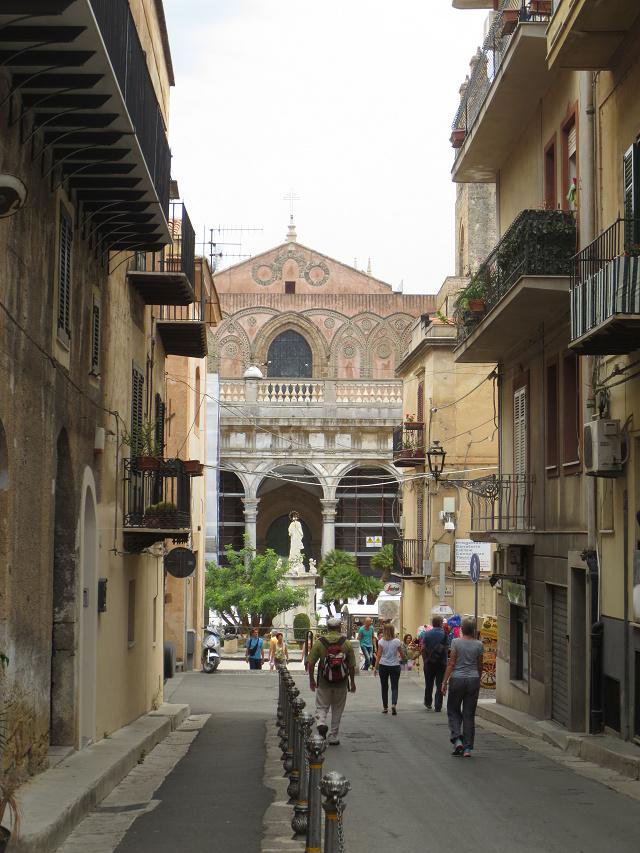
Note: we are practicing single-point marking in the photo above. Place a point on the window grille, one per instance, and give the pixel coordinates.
(95, 338)
(290, 356)
(65, 242)
(137, 404)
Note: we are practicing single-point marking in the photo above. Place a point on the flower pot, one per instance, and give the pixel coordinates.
(160, 521)
(413, 425)
(147, 463)
(5, 838)
(510, 19)
(193, 468)
(457, 137)
(477, 306)
(541, 7)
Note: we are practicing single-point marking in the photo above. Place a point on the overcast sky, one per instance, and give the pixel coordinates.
(350, 103)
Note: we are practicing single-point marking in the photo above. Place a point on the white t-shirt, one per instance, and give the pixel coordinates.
(389, 655)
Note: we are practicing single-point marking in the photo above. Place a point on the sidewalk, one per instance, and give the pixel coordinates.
(53, 803)
(604, 750)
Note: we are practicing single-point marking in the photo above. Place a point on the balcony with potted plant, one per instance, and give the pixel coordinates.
(157, 503)
(408, 444)
(524, 279)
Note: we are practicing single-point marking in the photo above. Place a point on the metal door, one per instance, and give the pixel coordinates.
(559, 674)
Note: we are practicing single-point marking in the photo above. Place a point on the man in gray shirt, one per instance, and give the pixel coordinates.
(463, 670)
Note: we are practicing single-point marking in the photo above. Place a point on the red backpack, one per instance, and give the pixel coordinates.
(333, 665)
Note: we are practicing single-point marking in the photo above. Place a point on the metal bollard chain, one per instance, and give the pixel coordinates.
(340, 812)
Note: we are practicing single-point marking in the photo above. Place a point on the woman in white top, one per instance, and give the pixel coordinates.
(388, 665)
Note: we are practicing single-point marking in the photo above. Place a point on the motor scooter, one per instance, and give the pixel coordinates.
(210, 650)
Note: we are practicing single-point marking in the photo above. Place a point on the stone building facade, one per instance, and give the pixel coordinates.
(310, 425)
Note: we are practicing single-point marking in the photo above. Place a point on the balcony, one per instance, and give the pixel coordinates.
(167, 277)
(524, 281)
(371, 395)
(409, 556)
(587, 34)
(80, 73)
(502, 509)
(508, 78)
(408, 445)
(183, 328)
(157, 503)
(605, 292)
(474, 4)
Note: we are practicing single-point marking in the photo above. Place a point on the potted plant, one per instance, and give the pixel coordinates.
(146, 451)
(458, 135)
(193, 467)
(411, 423)
(541, 7)
(510, 19)
(8, 788)
(161, 515)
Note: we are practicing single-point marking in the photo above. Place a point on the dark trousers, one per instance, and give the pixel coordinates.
(461, 709)
(255, 663)
(433, 672)
(386, 673)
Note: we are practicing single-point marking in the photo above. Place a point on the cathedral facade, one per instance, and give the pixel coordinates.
(304, 362)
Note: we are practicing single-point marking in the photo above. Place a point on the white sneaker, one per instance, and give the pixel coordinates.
(334, 741)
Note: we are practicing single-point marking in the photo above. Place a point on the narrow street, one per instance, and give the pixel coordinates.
(408, 794)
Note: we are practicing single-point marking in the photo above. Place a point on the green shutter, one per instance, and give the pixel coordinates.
(630, 194)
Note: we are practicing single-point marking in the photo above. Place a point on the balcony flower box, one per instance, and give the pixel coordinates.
(408, 457)
(477, 306)
(161, 516)
(415, 425)
(541, 7)
(193, 468)
(147, 463)
(458, 135)
(510, 19)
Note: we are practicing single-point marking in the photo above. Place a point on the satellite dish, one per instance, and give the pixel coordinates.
(13, 195)
(180, 562)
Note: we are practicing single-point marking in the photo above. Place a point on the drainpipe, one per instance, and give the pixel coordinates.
(586, 225)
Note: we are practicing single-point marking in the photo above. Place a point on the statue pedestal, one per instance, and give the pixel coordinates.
(306, 581)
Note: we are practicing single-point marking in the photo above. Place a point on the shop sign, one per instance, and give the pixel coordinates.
(466, 548)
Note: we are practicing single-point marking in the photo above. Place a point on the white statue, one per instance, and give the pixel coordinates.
(312, 566)
(295, 544)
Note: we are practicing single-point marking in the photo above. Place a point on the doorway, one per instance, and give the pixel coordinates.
(88, 619)
(559, 680)
(578, 646)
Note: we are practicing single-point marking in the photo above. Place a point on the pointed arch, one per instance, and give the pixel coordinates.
(290, 320)
(348, 358)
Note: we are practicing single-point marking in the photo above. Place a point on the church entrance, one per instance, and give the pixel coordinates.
(290, 487)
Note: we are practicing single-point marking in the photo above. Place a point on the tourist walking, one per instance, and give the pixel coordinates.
(434, 657)
(281, 650)
(336, 676)
(462, 676)
(254, 650)
(407, 653)
(273, 641)
(365, 638)
(387, 666)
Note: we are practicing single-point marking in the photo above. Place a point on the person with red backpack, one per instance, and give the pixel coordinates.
(336, 676)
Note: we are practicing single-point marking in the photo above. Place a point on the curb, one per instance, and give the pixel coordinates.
(53, 803)
(605, 751)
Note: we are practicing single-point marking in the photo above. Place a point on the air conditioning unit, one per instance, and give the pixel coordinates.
(603, 448)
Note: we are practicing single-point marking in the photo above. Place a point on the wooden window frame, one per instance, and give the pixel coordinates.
(571, 466)
(552, 466)
(64, 276)
(550, 188)
(570, 121)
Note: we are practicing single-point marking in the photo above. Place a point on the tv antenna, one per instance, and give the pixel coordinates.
(213, 246)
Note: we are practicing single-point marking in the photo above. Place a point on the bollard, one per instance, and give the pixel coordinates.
(334, 786)
(281, 669)
(294, 777)
(301, 809)
(284, 728)
(292, 694)
(316, 746)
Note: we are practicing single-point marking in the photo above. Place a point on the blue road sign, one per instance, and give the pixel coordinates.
(474, 568)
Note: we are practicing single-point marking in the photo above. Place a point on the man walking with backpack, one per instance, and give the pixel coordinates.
(434, 656)
(336, 676)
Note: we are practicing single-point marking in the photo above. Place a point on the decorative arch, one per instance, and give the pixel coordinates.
(88, 546)
(289, 356)
(348, 358)
(383, 353)
(233, 356)
(303, 326)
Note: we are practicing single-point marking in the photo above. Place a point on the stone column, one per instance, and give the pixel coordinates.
(250, 519)
(328, 525)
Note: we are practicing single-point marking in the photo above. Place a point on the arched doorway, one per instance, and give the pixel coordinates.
(63, 634)
(367, 514)
(88, 619)
(287, 488)
(289, 356)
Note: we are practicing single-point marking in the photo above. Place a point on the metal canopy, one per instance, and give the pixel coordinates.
(69, 105)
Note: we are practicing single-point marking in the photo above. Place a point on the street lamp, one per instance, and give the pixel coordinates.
(435, 458)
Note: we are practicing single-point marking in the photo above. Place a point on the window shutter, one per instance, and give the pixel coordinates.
(630, 193)
(571, 141)
(420, 403)
(160, 415)
(95, 338)
(65, 239)
(137, 388)
(520, 438)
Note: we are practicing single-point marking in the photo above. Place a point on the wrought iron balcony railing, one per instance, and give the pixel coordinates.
(537, 243)
(502, 504)
(409, 445)
(489, 58)
(178, 256)
(157, 498)
(409, 556)
(128, 59)
(605, 291)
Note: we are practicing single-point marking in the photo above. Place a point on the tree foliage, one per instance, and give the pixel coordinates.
(251, 588)
(341, 580)
(382, 562)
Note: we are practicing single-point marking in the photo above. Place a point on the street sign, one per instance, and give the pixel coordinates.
(464, 550)
(180, 562)
(441, 553)
(474, 568)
